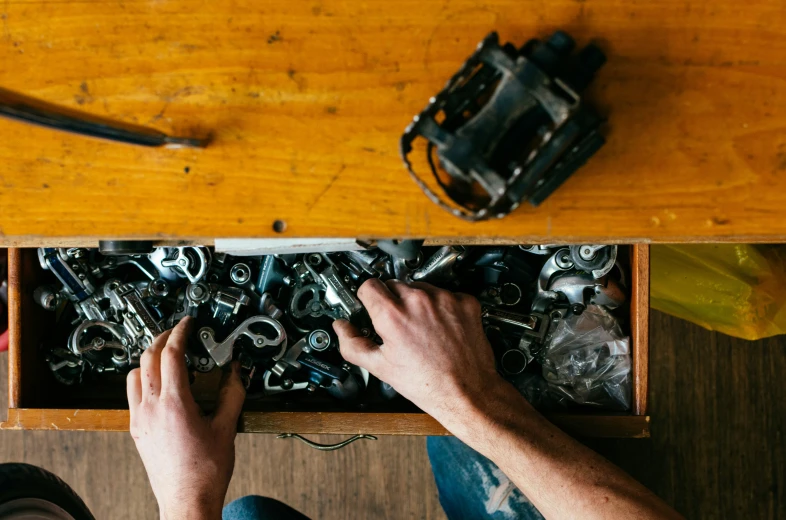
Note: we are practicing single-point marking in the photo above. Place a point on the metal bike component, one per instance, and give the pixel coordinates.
(158, 288)
(547, 249)
(507, 294)
(403, 269)
(138, 322)
(286, 385)
(240, 273)
(30, 110)
(596, 259)
(440, 267)
(189, 262)
(268, 306)
(363, 264)
(125, 247)
(143, 263)
(77, 282)
(524, 321)
(226, 302)
(513, 362)
(509, 127)
(319, 340)
(308, 301)
(338, 294)
(403, 249)
(222, 352)
(326, 447)
(98, 343)
(46, 296)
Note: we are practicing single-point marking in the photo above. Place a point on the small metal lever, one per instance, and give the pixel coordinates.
(326, 447)
(31, 110)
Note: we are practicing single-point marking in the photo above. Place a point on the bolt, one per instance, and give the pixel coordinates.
(365, 332)
(180, 309)
(82, 277)
(183, 262)
(307, 349)
(204, 361)
(577, 308)
(260, 341)
(196, 292)
(205, 335)
(286, 384)
(311, 387)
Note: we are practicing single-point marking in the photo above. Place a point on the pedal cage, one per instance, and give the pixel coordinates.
(508, 127)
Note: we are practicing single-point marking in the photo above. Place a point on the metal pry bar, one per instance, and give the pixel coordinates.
(34, 111)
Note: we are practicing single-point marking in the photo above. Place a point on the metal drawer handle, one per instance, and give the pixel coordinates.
(326, 447)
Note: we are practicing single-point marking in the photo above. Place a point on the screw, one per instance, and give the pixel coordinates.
(203, 361)
(307, 349)
(311, 387)
(205, 335)
(260, 341)
(286, 384)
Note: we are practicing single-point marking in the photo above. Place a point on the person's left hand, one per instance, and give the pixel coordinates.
(189, 457)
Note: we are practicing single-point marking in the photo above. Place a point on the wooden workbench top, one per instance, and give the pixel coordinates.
(306, 101)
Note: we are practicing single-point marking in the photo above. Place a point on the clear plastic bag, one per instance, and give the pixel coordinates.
(737, 289)
(587, 362)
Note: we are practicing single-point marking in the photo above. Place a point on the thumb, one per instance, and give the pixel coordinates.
(356, 348)
(231, 395)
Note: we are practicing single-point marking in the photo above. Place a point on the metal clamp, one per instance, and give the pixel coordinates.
(326, 447)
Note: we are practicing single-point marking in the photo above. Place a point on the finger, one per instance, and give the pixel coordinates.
(376, 297)
(231, 395)
(356, 348)
(134, 389)
(470, 301)
(397, 287)
(151, 367)
(174, 375)
(425, 287)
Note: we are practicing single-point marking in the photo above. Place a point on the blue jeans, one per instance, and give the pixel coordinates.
(470, 487)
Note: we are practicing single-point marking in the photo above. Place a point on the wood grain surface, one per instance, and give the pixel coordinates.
(639, 324)
(586, 426)
(305, 102)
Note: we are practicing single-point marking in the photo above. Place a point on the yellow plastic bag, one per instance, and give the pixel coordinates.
(736, 289)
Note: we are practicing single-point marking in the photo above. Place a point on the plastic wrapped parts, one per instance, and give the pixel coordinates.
(586, 362)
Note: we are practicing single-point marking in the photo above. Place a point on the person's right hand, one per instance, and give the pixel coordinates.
(434, 350)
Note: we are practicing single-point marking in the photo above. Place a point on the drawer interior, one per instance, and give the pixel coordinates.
(33, 387)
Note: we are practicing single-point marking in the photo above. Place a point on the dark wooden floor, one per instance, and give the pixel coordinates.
(718, 409)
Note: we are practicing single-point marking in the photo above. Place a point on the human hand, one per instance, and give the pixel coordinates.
(189, 457)
(434, 350)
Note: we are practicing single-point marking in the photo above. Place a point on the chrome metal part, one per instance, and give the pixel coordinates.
(222, 352)
(440, 267)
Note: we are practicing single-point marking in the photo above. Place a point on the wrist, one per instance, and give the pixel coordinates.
(201, 507)
(477, 415)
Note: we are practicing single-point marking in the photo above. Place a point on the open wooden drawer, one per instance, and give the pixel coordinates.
(37, 401)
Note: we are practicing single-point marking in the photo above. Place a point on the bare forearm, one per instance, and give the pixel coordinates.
(560, 476)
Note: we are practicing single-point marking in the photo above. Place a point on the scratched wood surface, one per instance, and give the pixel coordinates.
(306, 100)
